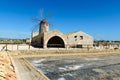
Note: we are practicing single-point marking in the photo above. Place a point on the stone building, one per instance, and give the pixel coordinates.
(55, 39)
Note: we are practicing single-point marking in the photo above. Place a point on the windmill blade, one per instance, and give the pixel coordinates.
(39, 19)
(35, 28)
(50, 25)
(48, 15)
(35, 19)
(41, 13)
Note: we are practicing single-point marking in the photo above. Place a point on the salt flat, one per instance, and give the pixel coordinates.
(91, 67)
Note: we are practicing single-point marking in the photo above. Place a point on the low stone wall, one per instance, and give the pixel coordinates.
(13, 47)
(61, 52)
(43, 77)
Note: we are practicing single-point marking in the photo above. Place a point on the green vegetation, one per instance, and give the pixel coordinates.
(15, 41)
(105, 42)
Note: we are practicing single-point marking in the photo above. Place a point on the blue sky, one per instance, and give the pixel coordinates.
(99, 18)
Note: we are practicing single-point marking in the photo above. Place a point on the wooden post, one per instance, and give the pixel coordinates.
(6, 47)
(17, 47)
(29, 46)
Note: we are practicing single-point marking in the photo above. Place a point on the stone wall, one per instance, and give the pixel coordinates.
(51, 34)
(71, 40)
(79, 38)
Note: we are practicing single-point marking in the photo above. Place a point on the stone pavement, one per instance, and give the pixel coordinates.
(25, 71)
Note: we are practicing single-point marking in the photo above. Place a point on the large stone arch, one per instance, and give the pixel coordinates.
(54, 35)
(55, 42)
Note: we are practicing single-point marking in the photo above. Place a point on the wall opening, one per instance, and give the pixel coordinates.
(55, 42)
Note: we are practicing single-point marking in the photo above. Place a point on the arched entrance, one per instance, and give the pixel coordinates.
(55, 42)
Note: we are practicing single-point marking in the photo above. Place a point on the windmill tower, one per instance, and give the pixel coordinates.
(44, 26)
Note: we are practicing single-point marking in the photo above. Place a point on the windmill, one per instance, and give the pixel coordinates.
(42, 23)
(41, 27)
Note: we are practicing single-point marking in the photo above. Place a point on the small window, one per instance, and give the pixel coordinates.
(75, 36)
(81, 37)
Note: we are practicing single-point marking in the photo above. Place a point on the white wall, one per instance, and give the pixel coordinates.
(16, 47)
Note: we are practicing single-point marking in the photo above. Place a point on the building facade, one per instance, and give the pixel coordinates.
(55, 39)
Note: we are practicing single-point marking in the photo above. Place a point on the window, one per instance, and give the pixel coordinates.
(81, 37)
(75, 36)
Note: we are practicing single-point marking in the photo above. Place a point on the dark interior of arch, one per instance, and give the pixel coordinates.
(55, 42)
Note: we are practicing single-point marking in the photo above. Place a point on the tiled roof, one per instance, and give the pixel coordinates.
(6, 69)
